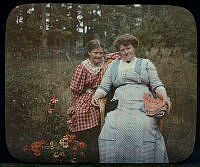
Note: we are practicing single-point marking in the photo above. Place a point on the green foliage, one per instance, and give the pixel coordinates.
(69, 24)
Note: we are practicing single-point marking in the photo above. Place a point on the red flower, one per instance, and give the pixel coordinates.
(73, 136)
(36, 145)
(37, 153)
(42, 141)
(66, 133)
(50, 109)
(74, 148)
(69, 140)
(82, 144)
(34, 148)
(53, 99)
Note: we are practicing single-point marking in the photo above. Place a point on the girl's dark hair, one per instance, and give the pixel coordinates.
(126, 39)
(93, 44)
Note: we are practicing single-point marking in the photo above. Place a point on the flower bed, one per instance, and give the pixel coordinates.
(62, 149)
(67, 149)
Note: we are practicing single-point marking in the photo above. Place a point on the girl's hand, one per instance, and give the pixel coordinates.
(94, 101)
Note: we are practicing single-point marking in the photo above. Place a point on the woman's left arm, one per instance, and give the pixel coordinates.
(157, 85)
(104, 87)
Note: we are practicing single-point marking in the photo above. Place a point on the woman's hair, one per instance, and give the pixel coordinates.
(125, 40)
(93, 44)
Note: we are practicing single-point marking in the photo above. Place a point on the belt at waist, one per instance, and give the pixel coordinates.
(132, 83)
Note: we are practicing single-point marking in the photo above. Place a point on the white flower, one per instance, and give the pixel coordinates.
(51, 143)
(56, 154)
(61, 142)
(65, 145)
(50, 112)
(65, 137)
(62, 154)
(54, 100)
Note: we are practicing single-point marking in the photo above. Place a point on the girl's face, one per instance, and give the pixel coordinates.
(127, 52)
(96, 56)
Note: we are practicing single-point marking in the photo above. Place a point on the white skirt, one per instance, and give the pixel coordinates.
(131, 137)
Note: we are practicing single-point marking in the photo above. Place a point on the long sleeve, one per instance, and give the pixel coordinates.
(153, 76)
(106, 81)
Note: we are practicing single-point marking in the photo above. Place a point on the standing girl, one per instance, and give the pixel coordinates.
(84, 118)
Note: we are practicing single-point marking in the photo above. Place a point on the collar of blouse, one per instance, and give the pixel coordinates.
(91, 68)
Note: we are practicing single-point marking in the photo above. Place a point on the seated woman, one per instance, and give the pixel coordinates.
(129, 135)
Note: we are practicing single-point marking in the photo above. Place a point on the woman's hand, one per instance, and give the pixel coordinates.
(95, 101)
(166, 101)
(161, 92)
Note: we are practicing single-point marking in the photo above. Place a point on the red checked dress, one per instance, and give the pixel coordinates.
(85, 80)
(84, 115)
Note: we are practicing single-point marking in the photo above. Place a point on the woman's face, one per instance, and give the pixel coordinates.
(127, 52)
(96, 56)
